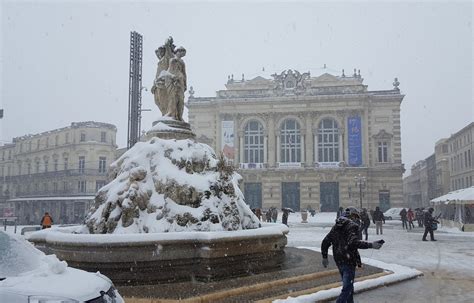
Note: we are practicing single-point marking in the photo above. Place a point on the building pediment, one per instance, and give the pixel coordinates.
(326, 78)
(382, 134)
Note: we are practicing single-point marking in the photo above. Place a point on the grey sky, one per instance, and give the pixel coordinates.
(65, 62)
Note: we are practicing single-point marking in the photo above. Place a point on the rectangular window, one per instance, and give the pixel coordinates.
(383, 152)
(102, 162)
(29, 168)
(55, 164)
(56, 141)
(55, 187)
(99, 185)
(37, 167)
(38, 144)
(47, 142)
(9, 155)
(66, 160)
(81, 186)
(67, 138)
(83, 137)
(82, 164)
(103, 137)
(65, 187)
(46, 164)
(469, 157)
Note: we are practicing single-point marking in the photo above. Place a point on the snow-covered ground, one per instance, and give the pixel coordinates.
(448, 264)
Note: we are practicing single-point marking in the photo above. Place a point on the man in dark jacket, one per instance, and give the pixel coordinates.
(378, 218)
(403, 217)
(364, 217)
(344, 241)
(428, 222)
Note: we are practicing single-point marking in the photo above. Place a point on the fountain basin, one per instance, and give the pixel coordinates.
(139, 259)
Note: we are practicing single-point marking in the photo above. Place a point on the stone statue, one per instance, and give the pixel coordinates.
(170, 81)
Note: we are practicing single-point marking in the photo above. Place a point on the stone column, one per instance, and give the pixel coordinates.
(271, 141)
(277, 146)
(315, 137)
(241, 147)
(341, 144)
(309, 142)
(302, 147)
(265, 148)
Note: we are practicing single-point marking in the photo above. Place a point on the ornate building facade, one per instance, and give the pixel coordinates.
(58, 171)
(301, 141)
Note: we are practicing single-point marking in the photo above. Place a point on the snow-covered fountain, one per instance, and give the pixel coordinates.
(173, 210)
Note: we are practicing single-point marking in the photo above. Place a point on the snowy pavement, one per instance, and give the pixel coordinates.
(448, 264)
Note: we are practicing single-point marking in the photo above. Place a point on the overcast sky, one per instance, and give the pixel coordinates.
(64, 62)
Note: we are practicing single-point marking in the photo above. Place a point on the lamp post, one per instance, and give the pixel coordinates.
(360, 182)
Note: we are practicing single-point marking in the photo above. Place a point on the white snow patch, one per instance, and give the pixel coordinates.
(400, 273)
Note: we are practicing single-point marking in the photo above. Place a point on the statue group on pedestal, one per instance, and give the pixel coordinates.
(170, 81)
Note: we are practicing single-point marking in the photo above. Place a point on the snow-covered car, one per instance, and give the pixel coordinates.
(392, 214)
(28, 275)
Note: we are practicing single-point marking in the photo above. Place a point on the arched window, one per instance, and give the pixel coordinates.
(328, 141)
(290, 141)
(253, 142)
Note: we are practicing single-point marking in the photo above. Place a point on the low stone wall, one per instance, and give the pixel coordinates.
(158, 258)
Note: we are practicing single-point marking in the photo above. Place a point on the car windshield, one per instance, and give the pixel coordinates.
(17, 256)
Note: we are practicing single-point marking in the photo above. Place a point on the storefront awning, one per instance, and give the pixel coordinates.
(460, 196)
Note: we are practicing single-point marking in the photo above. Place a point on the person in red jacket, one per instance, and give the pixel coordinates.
(46, 221)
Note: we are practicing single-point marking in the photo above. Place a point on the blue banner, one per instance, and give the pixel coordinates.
(354, 137)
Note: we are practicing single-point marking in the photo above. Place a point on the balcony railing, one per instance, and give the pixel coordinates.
(252, 165)
(57, 174)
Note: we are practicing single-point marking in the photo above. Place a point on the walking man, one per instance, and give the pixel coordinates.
(428, 222)
(344, 240)
(378, 218)
(364, 217)
(403, 217)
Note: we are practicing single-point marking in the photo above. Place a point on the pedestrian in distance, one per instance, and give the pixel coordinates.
(284, 218)
(46, 221)
(364, 217)
(268, 215)
(274, 214)
(419, 216)
(378, 218)
(403, 217)
(410, 218)
(345, 244)
(431, 224)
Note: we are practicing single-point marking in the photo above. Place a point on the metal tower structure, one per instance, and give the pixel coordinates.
(135, 89)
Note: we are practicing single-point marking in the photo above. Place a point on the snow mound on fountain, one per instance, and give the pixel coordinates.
(170, 186)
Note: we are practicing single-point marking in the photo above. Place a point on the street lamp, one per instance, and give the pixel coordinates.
(361, 183)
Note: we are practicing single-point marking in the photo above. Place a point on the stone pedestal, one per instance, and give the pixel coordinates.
(166, 128)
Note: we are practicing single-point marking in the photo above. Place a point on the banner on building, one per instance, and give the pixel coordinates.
(227, 139)
(354, 138)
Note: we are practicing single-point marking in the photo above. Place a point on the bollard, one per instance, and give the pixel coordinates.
(15, 225)
(5, 224)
